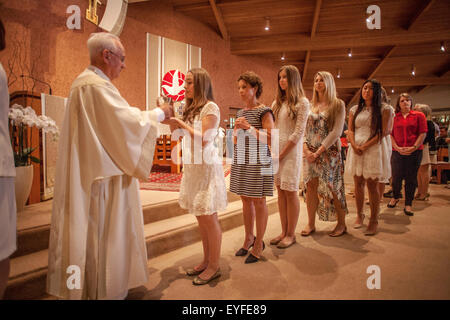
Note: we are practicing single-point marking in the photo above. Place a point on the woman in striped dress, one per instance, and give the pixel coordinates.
(251, 171)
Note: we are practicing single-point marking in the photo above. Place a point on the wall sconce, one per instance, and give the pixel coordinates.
(392, 90)
(338, 73)
(349, 53)
(413, 70)
(442, 46)
(267, 27)
(283, 57)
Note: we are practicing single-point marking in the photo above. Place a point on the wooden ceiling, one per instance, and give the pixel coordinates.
(316, 35)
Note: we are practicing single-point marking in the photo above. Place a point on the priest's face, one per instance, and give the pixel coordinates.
(116, 61)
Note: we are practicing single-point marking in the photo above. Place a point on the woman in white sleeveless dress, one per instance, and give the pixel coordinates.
(203, 190)
(368, 123)
(291, 110)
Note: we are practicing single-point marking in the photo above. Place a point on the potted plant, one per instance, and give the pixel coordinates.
(21, 119)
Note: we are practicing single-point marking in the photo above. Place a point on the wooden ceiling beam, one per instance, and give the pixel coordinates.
(390, 81)
(424, 8)
(372, 74)
(219, 19)
(302, 42)
(313, 34)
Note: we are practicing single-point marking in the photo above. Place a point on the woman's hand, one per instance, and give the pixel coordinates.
(177, 123)
(242, 123)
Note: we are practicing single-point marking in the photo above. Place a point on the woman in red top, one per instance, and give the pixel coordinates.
(408, 133)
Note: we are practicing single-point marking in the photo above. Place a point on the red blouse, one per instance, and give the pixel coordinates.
(406, 130)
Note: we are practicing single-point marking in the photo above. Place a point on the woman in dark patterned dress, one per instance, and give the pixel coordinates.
(323, 167)
(251, 171)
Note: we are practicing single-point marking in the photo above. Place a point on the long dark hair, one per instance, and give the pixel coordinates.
(2, 36)
(203, 93)
(376, 122)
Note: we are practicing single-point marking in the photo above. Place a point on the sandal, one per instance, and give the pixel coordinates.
(359, 225)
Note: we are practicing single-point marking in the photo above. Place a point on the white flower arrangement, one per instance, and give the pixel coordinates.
(20, 119)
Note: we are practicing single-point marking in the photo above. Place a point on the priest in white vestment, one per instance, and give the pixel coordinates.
(97, 247)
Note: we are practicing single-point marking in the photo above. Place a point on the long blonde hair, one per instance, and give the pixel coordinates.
(335, 104)
(203, 93)
(292, 94)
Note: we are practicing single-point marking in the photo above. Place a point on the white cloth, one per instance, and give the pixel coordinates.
(203, 190)
(7, 174)
(370, 164)
(425, 155)
(97, 221)
(289, 170)
(7, 217)
(386, 147)
(7, 168)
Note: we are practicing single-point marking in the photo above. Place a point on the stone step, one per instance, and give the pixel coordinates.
(29, 272)
(33, 223)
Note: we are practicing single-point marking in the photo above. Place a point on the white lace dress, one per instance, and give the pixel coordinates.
(370, 164)
(289, 171)
(203, 189)
(386, 150)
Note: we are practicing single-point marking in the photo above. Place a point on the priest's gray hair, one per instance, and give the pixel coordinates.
(100, 41)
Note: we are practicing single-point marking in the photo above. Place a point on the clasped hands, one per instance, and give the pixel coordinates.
(405, 151)
(241, 123)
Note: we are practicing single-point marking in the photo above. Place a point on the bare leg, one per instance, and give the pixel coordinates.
(204, 234)
(248, 210)
(4, 275)
(359, 198)
(340, 228)
(282, 208)
(293, 210)
(374, 199)
(211, 223)
(423, 180)
(262, 215)
(381, 186)
(312, 202)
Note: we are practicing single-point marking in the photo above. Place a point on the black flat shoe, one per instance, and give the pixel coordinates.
(408, 213)
(251, 258)
(242, 251)
(389, 205)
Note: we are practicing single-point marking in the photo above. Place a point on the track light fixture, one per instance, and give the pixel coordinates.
(267, 27)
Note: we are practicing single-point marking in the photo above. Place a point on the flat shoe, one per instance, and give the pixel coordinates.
(389, 205)
(275, 241)
(284, 245)
(408, 213)
(338, 234)
(193, 272)
(371, 233)
(199, 281)
(305, 234)
(241, 252)
(251, 259)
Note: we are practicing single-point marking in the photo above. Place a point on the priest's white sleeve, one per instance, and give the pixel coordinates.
(127, 134)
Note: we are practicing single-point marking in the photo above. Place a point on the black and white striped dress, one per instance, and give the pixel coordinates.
(251, 171)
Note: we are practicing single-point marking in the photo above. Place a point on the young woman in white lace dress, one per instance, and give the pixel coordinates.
(203, 190)
(368, 123)
(291, 112)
